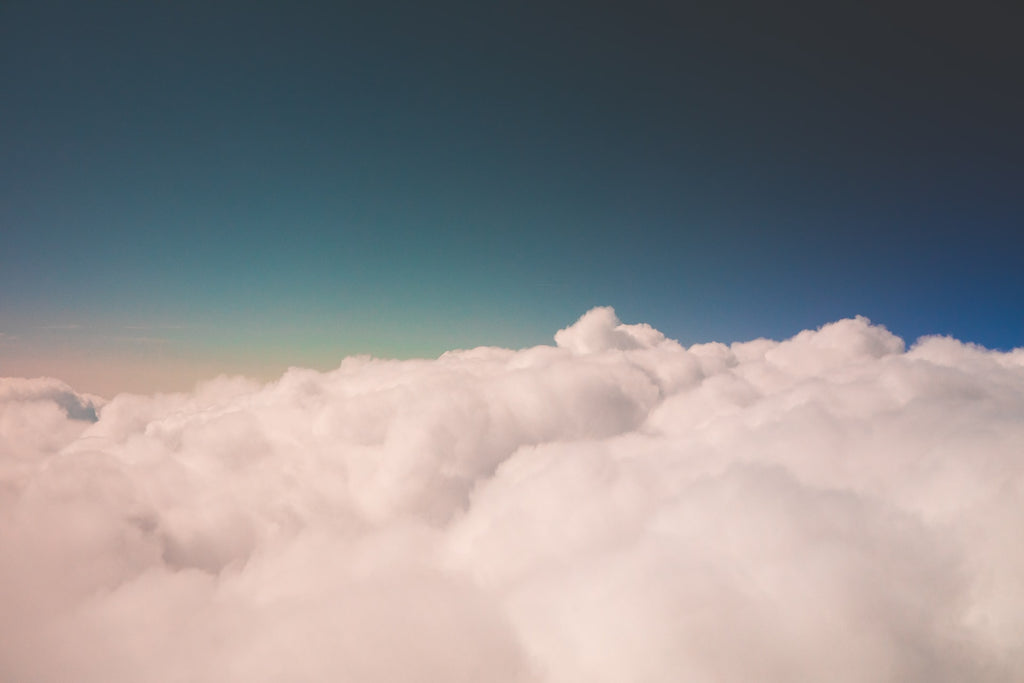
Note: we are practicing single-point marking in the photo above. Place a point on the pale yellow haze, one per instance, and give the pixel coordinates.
(109, 374)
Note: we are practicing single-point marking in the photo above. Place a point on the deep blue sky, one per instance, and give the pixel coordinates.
(248, 185)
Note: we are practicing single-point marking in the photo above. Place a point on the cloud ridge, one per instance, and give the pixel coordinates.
(834, 506)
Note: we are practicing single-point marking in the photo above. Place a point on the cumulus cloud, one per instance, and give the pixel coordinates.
(612, 508)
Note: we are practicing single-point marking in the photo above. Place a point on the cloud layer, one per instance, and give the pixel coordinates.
(612, 508)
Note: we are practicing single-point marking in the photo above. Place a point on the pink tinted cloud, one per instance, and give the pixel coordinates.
(615, 507)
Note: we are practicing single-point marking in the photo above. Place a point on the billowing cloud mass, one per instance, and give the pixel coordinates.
(833, 507)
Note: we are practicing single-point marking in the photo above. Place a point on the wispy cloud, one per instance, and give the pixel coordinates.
(140, 339)
(62, 326)
(161, 326)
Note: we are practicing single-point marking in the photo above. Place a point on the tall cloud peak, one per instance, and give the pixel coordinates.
(599, 329)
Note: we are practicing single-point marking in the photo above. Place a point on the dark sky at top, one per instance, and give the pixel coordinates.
(485, 172)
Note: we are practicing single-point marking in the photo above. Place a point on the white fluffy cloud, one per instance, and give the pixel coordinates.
(613, 508)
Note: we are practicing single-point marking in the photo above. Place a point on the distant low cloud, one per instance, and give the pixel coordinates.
(136, 339)
(63, 326)
(613, 508)
(161, 326)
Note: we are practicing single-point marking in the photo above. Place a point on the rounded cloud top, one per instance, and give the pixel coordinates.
(599, 329)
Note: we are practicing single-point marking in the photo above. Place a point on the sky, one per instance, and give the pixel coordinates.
(194, 188)
(516, 342)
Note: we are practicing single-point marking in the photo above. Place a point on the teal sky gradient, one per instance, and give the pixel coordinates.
(244, 186)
